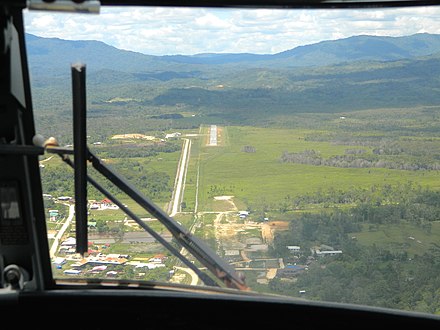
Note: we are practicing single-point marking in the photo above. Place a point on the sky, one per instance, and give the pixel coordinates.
(188, 31)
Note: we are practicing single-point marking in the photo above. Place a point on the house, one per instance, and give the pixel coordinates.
(243, 214)
(72, 272)
(103, 205)
(53, 213)
(290, 271)
(232, 253)
(325, 250)
(328, 253)
(111, 273)
(108, 204)
(58, 261)
(70, 241)
(293, 248)
(173, 135)
(99, 268)
(94, 206)
(149, 265)
(158, 258)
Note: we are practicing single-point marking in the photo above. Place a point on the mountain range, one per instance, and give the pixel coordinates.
(53, 55)
(356, 73)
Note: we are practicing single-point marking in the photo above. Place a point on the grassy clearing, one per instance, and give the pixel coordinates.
(255, 176)
(400, 237)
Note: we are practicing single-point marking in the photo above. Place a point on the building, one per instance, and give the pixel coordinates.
(293, 248)
(325, 250)
(328, 253)
(70, 241)
(59, 261)
(160, 258)
(290, 271)
(173, 135)
(243, 214)
(105, 204)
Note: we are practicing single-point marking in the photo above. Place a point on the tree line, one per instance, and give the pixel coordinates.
(312, 157)
(59, 181)
(134, 150)
(366, 274)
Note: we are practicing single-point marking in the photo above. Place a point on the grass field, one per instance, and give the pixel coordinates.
(401, 237)
(253, 177)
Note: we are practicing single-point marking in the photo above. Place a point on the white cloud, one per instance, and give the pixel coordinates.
(43, 22)
(165, 30)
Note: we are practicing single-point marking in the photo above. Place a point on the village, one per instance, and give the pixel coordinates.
(240, 240)
(98, 262)
(248, 254)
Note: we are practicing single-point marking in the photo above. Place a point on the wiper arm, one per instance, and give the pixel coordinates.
(205, 279)
(194, 245)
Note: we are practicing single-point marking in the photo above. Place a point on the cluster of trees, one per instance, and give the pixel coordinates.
(133, 150)
(368, 275)
(371, 276)
(403, 142)
(219, 190)
(168, 116)
(59, 180)
(250, 149)
(157, 185)
(312, 157)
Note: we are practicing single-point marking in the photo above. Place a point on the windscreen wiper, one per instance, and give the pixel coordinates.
(82, 154)
(205, 279)
(194, 245)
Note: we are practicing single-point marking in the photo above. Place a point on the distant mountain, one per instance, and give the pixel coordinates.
(345, 75)
(53, 56)
(361, 48)
(358, 48)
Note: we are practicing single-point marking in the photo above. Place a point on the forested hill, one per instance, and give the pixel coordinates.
(344, 75)
(52, 55)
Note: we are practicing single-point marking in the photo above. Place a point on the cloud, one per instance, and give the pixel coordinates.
(163, 30)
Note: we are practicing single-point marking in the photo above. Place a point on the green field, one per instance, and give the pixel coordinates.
(402, 237)
(260, 176)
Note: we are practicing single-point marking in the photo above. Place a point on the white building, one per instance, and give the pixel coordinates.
(293, 248)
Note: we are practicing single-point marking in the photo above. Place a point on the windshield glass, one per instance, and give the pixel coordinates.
(301, 146)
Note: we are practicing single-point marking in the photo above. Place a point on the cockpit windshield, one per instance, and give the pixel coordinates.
(300, 146)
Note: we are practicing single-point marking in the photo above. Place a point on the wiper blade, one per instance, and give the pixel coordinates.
(193, 244)
(205, 279)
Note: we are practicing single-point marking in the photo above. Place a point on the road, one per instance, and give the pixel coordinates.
(60, 233)
(194, 277)
(179, 184)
